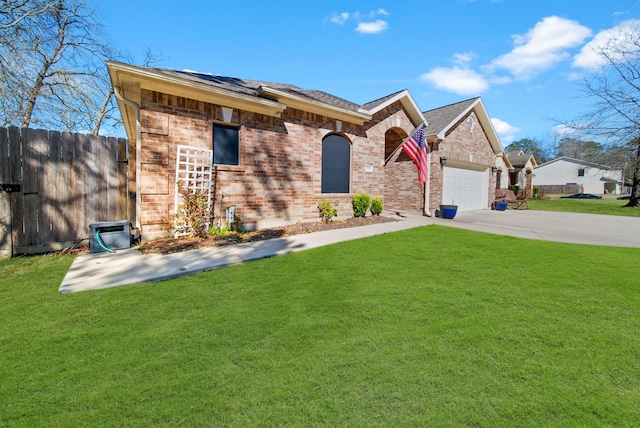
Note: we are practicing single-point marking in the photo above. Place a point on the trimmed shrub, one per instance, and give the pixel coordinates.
(361, 203)
(327, 211)
(376, 205)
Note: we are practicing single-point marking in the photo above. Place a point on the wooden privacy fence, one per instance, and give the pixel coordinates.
(55, 184)
(560, 189)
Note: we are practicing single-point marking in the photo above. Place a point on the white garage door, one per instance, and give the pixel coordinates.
(466, 188)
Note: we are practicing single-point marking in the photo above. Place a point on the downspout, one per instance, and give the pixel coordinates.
(135, 105)
(427, 186)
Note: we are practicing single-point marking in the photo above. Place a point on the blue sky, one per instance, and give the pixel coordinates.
(524, 58)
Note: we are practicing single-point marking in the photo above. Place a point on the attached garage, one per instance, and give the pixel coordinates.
(463, 157)
(465, 187)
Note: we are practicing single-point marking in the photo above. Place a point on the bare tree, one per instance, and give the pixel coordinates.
(52, 69)
(615, 89)
(13, 12)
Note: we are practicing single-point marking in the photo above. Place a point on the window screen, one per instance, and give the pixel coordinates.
(336, 164)
(226, 145)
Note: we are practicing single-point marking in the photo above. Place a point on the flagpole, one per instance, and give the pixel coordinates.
(403, 143)
(395, 151)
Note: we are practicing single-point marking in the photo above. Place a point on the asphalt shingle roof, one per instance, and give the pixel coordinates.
(441, 117)
(375, 103)
(250, 87)
(516, 159)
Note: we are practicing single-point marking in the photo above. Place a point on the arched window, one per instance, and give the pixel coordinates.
(336, 164)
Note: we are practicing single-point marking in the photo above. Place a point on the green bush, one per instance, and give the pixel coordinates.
(327, 211)
(219, 231)
(515, 188)
(361, 203)
(376, 205)
(237, 225)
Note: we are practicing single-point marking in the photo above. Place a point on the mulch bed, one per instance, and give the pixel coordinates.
(172, 245)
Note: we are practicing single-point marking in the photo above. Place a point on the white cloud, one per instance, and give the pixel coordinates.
(366, 23)
(501, 80)
(613, 42)
(506, 132)
(541, 47)
(378, 12)
(463, 58)
(459, 80)
(562, 131)
(372, 27)
(340, 18)
(537, 50)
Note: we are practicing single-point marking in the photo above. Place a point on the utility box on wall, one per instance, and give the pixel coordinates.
(106, 236)
(231, 215)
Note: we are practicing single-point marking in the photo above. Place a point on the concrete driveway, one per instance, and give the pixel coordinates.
(552, 226)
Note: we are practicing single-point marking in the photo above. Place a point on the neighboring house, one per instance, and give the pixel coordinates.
(273, 150)
(503, 166)
(521, 171)
(465, 145)
(590, 177)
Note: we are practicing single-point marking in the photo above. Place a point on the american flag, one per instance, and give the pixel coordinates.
(416, 148)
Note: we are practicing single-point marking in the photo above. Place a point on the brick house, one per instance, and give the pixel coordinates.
(464, 149)
(274, 149)
(521, 172)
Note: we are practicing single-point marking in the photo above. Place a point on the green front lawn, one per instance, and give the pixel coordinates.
(434, 326)
(586, 206)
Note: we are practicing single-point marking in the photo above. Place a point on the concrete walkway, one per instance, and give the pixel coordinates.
(103, 270)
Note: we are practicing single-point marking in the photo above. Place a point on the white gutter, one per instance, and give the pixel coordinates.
(192, 88)
(135, 105)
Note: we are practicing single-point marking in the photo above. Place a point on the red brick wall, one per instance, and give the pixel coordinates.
(279, 177)
(401, 189)
(464, 146)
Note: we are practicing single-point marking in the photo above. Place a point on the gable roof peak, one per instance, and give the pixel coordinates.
(443, 119)
(407, 101)
(373, 104)
(517, 152)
